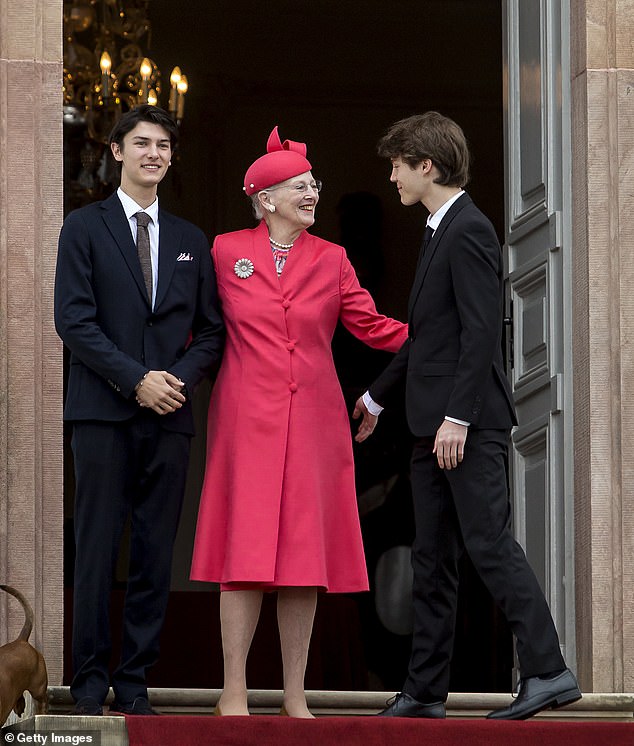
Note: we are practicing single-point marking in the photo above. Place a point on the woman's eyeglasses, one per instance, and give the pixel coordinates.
(300, 187)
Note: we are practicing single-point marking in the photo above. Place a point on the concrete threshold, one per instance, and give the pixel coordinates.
(593, 706)
(112, 729)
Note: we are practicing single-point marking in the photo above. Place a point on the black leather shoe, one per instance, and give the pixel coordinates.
(140, 706)
(87, 706)
(404, 706)
(537, 694)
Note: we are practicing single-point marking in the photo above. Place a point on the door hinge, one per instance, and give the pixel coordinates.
(509, 341)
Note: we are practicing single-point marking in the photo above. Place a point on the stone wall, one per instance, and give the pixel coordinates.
(603, 309)
(30, 352)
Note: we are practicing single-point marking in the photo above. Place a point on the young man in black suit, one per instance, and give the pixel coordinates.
(460, 410)
(136, 305)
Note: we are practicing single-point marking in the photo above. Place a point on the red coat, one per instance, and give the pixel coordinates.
(278, 504)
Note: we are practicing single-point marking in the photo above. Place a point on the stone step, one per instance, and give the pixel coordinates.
(593, 706)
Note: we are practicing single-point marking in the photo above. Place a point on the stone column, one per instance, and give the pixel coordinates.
(603, 309)
(31, 462)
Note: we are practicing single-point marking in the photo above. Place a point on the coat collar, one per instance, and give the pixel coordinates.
(262, 250)
(117, 223)
(170, 239)
(170, 246)
(432, 247)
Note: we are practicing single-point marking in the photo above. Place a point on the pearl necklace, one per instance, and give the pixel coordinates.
(281, 245)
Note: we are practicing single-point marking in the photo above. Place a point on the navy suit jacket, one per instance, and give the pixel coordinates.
(104, 317)
(452, 361)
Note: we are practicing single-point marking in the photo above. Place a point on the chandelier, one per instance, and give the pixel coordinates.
(107, 73)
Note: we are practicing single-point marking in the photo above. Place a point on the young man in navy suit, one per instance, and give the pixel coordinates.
(460, 410)
(136, 305)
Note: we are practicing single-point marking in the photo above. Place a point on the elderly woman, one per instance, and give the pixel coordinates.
(278, 509)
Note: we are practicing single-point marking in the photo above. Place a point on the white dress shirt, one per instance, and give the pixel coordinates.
(130, 208)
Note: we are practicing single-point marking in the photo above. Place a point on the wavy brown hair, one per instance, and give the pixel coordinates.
(430, 135)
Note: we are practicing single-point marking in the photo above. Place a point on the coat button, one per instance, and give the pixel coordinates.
(292, 387)
(291, 345)
(286, 303)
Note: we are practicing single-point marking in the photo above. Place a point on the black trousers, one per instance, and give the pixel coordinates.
(468, 509)
(134, 468)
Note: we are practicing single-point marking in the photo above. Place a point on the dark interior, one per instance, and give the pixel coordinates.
(335, 75)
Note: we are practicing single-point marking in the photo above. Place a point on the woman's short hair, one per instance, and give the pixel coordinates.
(256, 206)
(430, 135)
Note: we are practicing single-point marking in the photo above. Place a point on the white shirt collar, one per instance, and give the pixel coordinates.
(434, 220)
(130, 207)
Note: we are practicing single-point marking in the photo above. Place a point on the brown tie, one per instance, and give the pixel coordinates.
(143, 249)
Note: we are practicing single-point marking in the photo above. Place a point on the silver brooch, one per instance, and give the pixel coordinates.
(243, 268)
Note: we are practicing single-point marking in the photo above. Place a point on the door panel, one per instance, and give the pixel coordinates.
(537, 212)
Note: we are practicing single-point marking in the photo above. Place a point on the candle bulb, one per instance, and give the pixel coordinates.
(152, 97)
(105, 63)
(146, 71)
(174, 80)
(182, 90)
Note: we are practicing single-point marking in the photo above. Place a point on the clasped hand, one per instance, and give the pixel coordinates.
(160, 391)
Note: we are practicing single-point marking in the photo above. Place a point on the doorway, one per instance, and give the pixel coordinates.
(334, 75)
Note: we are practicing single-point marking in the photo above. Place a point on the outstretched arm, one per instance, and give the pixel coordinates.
(359, 315)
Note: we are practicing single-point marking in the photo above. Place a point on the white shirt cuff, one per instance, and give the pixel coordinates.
(373, 407)
(458, 422)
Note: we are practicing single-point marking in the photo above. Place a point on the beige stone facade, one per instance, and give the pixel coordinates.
(602, 274)
(603, 309)
(31, 458)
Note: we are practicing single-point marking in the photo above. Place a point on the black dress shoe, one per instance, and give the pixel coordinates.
(404, 706)
(537, 694)
(140, 706)
(87, 706)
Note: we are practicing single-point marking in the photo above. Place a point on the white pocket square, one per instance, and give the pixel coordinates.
(185, 257)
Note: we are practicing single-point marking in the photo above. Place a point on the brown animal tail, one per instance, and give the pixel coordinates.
(28, 611)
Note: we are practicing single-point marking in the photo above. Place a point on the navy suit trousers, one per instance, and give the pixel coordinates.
(132, 468)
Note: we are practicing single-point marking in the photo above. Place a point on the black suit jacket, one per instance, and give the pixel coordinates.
(452, 362)
(103, 315)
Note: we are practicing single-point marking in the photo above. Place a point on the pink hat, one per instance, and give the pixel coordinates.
(281, 162)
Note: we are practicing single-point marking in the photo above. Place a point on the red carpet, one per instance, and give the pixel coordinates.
(262, 730)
